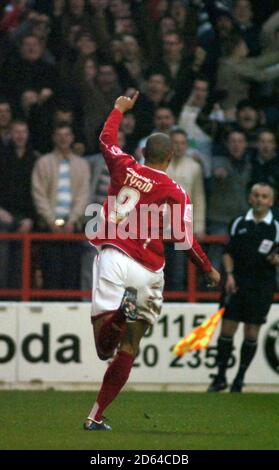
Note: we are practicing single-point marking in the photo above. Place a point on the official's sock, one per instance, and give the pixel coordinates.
(224, 349)
(247, 353)
(111, 332)
(114, 379)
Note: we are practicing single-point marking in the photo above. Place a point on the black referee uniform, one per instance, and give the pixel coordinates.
(249, 246)
(255, 278)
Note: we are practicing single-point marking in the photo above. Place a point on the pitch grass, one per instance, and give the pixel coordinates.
(140, 420)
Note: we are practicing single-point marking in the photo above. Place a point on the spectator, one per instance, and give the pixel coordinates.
(157, 94)
(248, 119)
(179, 64)
(185, 18)
(243, 15)
(270, 33)
(212, 40)
(130, 129)
(17, 211)
(60, 187)
(228, 192)
(76, 14)
(166, 25)
(164, 121)
(265, 164)
(86, 44)
(188, 174)
(187, 120)
(99, 101)
(6, 117)
(133, 59)
(236, 72)
(28, 71)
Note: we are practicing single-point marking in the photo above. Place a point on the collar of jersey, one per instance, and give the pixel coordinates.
(267, 219)
(154, 169)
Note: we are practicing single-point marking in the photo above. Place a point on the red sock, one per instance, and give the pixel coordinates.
(111, 332)
(114, 379)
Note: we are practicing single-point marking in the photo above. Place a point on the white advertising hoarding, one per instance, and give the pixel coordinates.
(53, 342)
(8, 342)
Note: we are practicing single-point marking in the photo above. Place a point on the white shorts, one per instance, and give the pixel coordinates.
(113, 271)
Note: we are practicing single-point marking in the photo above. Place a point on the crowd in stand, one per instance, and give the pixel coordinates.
(208, 75)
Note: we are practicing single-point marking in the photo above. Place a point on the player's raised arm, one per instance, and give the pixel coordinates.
(108, 138)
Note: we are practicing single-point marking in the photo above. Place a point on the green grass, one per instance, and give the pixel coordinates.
(140, 420)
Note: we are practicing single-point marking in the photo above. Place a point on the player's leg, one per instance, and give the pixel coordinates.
(110, 327)
(117, 374)
(112, 302)
(149, 288)
(247, 353)
(224, 349)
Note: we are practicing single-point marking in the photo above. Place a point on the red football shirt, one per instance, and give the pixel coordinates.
(135, 192)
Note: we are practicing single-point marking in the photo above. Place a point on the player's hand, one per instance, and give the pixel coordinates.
(230, 286)
(213, 278)
(123, 103)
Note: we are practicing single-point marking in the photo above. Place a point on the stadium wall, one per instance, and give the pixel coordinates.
(52, 342)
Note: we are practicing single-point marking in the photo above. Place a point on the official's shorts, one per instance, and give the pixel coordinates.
(249, 305)
(113, 271)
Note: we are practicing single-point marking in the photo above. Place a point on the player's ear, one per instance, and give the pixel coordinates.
(170, 157)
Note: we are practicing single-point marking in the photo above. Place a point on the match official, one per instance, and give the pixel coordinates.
(250, 262)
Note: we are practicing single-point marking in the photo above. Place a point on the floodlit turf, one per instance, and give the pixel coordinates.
(140, 420)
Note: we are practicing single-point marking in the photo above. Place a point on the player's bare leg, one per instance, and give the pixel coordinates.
(110, 328)
(224, 349)
(247, 353)
(117, 374)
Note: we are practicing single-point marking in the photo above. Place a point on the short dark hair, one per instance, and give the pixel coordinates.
(246, 103)
(235, 131)
(178, 131)
(4, 101)
(30, 35)
(158, 148)
(20, 122)
(157, 71)
(231, 42)
(64, 108)
(177, 34)
(201, 78)
(266, 130)
(63, 125)
(164, 107)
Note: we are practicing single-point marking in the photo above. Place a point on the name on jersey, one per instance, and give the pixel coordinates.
(138, 181)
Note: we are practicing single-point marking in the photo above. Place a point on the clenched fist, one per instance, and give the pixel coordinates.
(123, 103)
